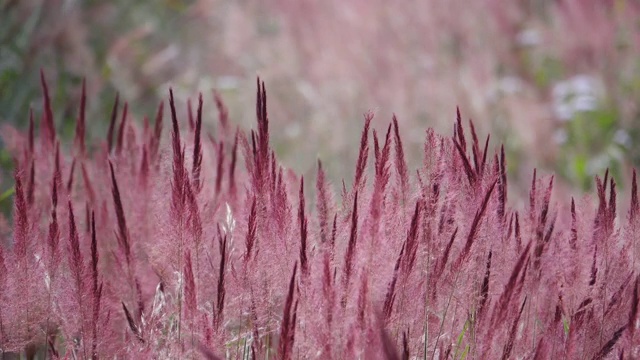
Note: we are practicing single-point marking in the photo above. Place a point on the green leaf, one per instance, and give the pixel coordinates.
(7, 194)
(460, 337)
(465, 353)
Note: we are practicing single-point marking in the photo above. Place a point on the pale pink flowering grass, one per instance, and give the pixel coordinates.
(153, 246)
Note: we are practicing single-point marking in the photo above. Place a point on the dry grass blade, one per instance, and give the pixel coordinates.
(132, 324)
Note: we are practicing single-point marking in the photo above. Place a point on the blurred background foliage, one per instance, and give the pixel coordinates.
(558, 81)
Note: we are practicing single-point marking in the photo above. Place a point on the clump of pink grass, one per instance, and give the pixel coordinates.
(147, 245)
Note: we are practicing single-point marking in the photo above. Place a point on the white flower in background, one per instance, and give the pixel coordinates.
(575, 95)
(510, 85)
(227, 82)
(528, 38)
(505, 86)
(622, 137)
